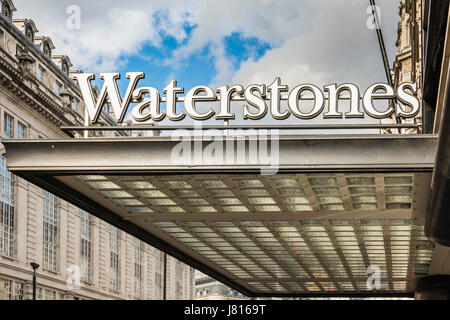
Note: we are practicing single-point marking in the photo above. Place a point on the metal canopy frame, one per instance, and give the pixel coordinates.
(53, 164)
(330, 153)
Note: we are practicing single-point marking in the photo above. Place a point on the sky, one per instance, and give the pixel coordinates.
(216, 43)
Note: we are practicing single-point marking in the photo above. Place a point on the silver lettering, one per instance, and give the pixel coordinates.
(110, 89)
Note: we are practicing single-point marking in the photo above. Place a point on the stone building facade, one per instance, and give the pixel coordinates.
(407, 66)
(80, 256)
(207, 288)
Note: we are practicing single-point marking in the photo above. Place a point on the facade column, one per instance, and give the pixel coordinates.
(28, 290)
(435, 287)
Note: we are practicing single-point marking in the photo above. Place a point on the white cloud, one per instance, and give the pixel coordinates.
(313, 41)
(109, 31)
(223, 64)
(338, 47)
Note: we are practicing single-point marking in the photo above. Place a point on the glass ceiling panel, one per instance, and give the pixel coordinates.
(310, 233)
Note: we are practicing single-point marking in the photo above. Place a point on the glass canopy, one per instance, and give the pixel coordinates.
(280, 234)
(313, 229)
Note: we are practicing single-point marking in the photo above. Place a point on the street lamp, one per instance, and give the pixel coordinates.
(34, 265)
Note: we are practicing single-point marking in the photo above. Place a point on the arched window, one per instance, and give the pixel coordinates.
(65, 67)
(6, 10)
(47, 50)
(29, 32)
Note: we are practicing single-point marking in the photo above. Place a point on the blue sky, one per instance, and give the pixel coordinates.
(199, 68)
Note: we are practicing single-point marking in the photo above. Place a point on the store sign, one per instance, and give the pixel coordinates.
(259, 99)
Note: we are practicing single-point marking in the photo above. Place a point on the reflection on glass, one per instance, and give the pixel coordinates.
(360, 180)
(398, 180)
(322, 181)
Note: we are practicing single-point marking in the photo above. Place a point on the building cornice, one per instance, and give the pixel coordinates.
(55, 112)
(32, 46)
(13, 81)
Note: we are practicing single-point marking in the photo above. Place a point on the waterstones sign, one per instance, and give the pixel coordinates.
(258, 99)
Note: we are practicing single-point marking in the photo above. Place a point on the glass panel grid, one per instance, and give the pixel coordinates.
(291, 194)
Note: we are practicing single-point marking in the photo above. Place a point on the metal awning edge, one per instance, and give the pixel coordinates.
(383, 152)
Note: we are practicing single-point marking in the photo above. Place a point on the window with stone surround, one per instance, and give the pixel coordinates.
(7, 210)
(137, 268)
(159, 265)
(8, 126)
(41, 74)
(76, 104)
(21, 131)
(46, 49)
(29, 33)
(49, 294)
(65, 67)
(114, 275)
(85, 246)
(19, 51)
(11, 290)
(58, 87)
(50, 253)
(179, 277)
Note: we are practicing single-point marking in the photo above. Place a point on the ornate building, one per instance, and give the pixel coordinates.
(207, 288)
(408, 61)
(79, 255)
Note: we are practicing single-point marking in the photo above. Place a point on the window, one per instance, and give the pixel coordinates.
(58, 87)
(137, 269)
(11, 290)
(6, 289)
(29, 33)
(49, 294)
(85, 246)
(65, 67)
(47, 50)
(21, 131)
(41, 74)
(159, 265)
(7, 214)
(18, 51)
(179, 276)
(2, 38)
(8, 132)
(76, 103)
(50, 231)
(114, 258)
